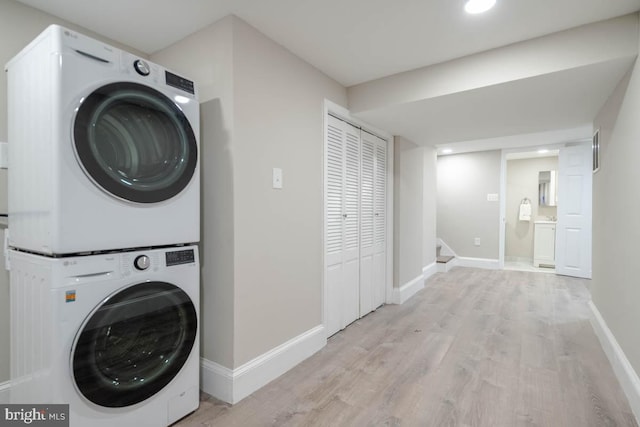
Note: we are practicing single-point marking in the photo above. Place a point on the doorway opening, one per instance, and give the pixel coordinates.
(531, 210)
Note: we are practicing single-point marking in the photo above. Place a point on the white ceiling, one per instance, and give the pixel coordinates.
(354, 41)
(566, 99)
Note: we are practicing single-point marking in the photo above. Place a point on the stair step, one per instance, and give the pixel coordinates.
(443, 259)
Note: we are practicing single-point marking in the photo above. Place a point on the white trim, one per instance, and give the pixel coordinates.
(429, 270)
(622, 368)
(216, 380)
(502, 220)
(486, 263)
(445, 249)
(520, 259)
(443, 267)
(232, 386)
(5, 389)
(406, 291)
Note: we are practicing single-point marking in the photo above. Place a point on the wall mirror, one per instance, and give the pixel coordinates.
(548, 188)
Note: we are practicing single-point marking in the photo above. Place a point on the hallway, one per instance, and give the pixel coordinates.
(474, 348)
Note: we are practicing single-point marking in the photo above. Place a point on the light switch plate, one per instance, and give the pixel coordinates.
(493, 197)
(277, 178)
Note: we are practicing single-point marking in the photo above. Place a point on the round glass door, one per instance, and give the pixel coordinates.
(135, 143)
(134, 344)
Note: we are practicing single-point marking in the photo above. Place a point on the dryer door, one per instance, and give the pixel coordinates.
(134, 344)
(135, 143)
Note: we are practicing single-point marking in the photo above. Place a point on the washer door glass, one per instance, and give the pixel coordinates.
(135, 143)
(134, 344)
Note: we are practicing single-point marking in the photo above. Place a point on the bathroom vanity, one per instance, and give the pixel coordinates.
(544, 244)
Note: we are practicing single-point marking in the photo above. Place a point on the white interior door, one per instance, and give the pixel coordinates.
(573, 231)
(372, 222)
(342, 237)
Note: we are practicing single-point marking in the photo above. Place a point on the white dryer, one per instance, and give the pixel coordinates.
(103, 149)
(115, 336)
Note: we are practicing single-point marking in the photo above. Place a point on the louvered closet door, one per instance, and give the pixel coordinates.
(380, 224)
(342, 240)
(372, 223)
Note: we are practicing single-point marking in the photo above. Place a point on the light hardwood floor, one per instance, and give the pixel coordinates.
(474, 348)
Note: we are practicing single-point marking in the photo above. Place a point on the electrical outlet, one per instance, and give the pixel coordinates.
(476, 241)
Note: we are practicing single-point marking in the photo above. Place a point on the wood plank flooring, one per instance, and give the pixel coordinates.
(474, 348)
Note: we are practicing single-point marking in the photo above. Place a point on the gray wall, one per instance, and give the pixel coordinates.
(19, 24)
(408, 222)
(522, 181)
(262, 256)
(430, 200)
(464, 180)
(616, 203)
(278, 123)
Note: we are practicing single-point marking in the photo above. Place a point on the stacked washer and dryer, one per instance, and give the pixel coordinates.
(103, 220)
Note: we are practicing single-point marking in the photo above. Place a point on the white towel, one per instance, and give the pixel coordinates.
(525, 212)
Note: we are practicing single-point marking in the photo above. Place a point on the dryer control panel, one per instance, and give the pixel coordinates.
(186, 256)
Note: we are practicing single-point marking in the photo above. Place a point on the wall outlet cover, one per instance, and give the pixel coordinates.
(277, 178)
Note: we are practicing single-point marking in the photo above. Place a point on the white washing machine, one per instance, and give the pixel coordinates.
(103, 149)
(115, 336)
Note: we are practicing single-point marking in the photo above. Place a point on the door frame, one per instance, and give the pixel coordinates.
(341, 112)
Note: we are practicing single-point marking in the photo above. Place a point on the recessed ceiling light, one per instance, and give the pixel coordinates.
(479, 6)
(447, 151)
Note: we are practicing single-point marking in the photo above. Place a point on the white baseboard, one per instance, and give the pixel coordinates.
(232, 386)
(406, 291)
(443, 267)
(216, 380)
(429, 270)
(625, 373)
(486, 263)
(518, 259)
(4, 392)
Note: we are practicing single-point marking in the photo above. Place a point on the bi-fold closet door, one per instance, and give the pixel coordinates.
(355, 223)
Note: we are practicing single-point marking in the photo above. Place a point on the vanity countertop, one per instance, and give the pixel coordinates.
(545, 221)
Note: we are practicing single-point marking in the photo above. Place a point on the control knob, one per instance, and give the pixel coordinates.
(141, 67)
(141, 262)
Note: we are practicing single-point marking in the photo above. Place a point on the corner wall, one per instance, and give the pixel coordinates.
(278, 110)
(429, 203)
(207, 57)
(408, 171)
(616, 231)
(261, 247)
